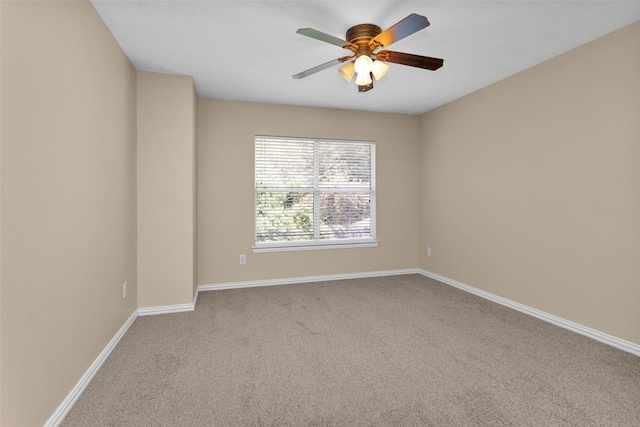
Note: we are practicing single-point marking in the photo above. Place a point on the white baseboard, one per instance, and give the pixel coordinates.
(166, 309)
(555, 320)
(195, 298)
(75, 393)
(66, 405)
(70, 400)
(307, 279)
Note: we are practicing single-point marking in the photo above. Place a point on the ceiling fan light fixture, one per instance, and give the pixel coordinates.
(379, 69)
(348, 71)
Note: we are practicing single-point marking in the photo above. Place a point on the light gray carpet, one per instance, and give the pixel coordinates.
(401, 350)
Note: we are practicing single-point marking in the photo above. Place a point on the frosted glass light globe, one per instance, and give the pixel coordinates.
(363, 64)
(363, 79)
(379, 69)
(347, 71)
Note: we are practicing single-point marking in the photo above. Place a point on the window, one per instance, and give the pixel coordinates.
(313, 194)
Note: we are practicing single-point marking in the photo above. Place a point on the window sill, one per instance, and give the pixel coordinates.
(312, 246)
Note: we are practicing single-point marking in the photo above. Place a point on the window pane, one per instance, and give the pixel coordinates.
(345, 165)
(345, 215)
(282, 164)
(284, 216)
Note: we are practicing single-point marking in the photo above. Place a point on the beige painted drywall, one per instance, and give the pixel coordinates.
(0, 207)
(194, 192)
(68, 201)
(226, 190)
(530, 187)
(166, 189)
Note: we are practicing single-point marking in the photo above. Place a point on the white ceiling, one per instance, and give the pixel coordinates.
(248, 50)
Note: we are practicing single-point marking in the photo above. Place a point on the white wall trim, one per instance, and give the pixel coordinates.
(166, 309)
(66, 405)
(328, 244)
(195, 298)
(76, 392)
(308, 279)
(616, 342)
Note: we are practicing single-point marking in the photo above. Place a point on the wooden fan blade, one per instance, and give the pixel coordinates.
(327, 38)
(321, 67)
(411, 60)
(400, 30)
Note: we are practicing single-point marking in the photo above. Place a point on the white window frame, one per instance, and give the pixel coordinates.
(317, 243)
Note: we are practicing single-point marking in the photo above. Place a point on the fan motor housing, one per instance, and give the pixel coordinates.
(360, 35)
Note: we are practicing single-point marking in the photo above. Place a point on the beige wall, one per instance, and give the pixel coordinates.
(166, 189)
(194, 191)
(226, 193)
(68, 201)
(0, 209)
(529, 187)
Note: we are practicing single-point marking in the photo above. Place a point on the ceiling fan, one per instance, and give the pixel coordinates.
(367, 62)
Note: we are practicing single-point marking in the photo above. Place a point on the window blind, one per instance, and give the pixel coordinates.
(313, 190)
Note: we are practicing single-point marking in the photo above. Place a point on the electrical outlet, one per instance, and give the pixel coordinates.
(428, 251)
(124, 290)
(243, 259)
